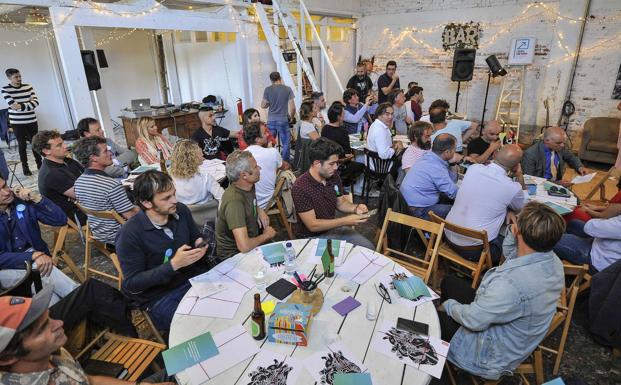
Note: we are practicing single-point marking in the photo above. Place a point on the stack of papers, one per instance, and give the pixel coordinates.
(361, 265)
(189, 353)
(424, 353)
(273, 254)
(583, 179)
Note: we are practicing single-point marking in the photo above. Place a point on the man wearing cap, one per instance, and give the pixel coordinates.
(29, 335)
(20, 237)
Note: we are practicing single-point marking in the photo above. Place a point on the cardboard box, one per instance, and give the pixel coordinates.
(289, 324)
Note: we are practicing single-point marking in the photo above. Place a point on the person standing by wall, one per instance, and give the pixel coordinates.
(22, 102)
(279, 100)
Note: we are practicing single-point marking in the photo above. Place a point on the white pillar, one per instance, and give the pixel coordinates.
(243, 53)
(174, 90)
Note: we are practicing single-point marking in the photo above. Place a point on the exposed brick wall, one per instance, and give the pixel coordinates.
(594, 78)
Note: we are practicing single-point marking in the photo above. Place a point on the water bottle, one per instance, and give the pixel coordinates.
(289, 258)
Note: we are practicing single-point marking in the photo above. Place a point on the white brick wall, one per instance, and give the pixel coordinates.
(594, 78)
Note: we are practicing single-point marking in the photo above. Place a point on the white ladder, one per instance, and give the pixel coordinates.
(509, 107)
(271, 30)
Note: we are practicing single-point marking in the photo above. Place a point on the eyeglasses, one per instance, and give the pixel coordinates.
(383, 292)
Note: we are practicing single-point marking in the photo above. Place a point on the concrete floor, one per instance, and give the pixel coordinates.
(583, 359)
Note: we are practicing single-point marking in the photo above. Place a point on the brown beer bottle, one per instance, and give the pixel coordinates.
(330, 272)
(257, 321)
(162, 162)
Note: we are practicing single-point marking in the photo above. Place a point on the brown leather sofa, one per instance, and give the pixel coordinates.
(599, 140)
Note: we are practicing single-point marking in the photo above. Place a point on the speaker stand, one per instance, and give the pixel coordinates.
(489, 77)
(457, 96)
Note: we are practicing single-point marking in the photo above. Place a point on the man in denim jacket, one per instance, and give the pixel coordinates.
(510, 313)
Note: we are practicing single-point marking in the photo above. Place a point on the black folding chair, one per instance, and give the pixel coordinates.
(372, 175)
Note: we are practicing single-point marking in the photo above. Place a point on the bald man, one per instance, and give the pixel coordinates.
(482, 149)
(484, 197)
(212, 139)
(547, 158)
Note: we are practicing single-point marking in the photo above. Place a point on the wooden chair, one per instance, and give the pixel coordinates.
(424, 267)
(476, 268)
(23, 287)
(586, 279)
(275, 206)
(90, 241)
(133, 353)
(601, 184)
(58, 252)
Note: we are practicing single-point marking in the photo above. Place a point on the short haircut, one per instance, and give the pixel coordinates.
(306, 110)
(236, 163)
(85, 147)
(442, 143)
(391, 63)
(381, 109)
(361, 64)
(248, 114)
(348, 94)
(412, 84)
(392, 96)
(439, 103)
(335, 111)
(11, 71)
(316, 95)
(83, 125)
(414, 90)
(416, 131)
(322, 149)
(41, 140)
(540, 226)
(437, 115)
(252, 131)
(150, 183)
(275, 76)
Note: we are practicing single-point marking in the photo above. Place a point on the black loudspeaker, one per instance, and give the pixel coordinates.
(90, 69)
(495, 67)
(101, 58)
(463, 64)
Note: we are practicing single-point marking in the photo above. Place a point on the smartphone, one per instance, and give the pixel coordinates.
(412, 326)
(202, 244)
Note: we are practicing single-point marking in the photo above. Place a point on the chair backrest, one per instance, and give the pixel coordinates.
(423, 267)
(277, 191)
(204, 212)
(604, 128)
(109, 214)
(23, 288)
(380, 166)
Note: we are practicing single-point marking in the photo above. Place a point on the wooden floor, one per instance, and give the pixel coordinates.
(581, 190)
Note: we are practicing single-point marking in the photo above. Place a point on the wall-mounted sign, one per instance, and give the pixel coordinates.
(457, 35)
(522, 51)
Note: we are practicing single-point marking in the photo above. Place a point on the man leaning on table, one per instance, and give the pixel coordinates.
(239, 216)
(159, 249)
(493, 330)
(547, 158)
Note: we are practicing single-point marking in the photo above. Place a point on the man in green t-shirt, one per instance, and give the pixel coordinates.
(239, 217)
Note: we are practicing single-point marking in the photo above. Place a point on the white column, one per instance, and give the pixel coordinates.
(243, 53)
(174, 90)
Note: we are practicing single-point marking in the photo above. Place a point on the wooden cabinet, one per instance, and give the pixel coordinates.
(181, 124)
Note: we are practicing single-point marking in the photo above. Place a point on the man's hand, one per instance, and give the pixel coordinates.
(27, 195)
(361, 209)
(44, 263)
(511, 217)
(197, 243)
(583, 171)
(369, 100)
(395, 77)
(263, 218)
(185, 256)
(397, 145)
(355, 219)
(269, 232)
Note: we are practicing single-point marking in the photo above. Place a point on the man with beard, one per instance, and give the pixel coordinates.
(318, 193)
(361, 82)
(159, 248)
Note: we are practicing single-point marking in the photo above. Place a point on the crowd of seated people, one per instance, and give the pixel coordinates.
(160, 247)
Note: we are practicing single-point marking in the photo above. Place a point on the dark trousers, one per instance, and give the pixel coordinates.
(460, 290)
(98, 303)
(471, 254)
(24, 134)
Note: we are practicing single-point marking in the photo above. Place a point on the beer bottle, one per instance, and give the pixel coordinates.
(330, 272)
(162, 162)
(257, 320)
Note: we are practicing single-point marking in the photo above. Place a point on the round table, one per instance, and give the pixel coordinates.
(354, 330)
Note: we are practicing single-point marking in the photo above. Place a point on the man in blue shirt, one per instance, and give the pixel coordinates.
(462, 130)
(430, 177)
(547, 158)
(493, 330)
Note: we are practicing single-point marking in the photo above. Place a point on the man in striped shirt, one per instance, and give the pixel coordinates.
(96, 190)
(22, 102)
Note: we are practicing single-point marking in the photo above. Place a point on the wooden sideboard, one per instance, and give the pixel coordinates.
(181, 124)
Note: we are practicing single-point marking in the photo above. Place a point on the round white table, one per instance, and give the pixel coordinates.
(354, 330)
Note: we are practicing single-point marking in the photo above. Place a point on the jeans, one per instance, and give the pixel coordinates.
(440, 209)
(350, 235)
(24, 134)
(62, 285)
(284, 136)
(163, 309)
(575, 244)
(4, 168)
(495, 249)
(460, 290)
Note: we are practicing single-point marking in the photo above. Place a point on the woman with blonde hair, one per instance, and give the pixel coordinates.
(193, 183)
(150, 142)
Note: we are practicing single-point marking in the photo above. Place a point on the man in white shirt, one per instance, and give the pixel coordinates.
(484, 197)
(379, 139)
(462, 130)
(268, 159)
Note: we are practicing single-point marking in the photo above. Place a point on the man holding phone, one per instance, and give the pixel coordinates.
(159, 249)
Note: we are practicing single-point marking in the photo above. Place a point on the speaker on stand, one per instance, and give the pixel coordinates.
(91, 71)
(463, 67)
(495, 69)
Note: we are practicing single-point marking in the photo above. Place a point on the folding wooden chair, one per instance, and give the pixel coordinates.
(586, 279)
(58, 252)
(601, 184)
(90, 241)
(424, 267)
(476, 268)
(275, 206)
